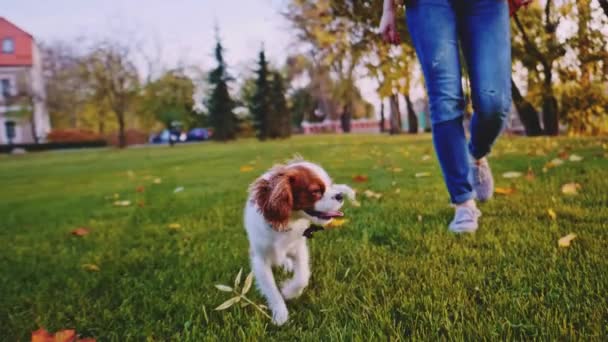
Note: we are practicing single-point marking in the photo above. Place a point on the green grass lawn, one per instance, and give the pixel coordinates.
(392, 271)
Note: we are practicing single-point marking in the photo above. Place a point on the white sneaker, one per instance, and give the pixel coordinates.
(465, 219)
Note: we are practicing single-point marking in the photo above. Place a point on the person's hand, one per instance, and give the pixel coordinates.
(388, 27)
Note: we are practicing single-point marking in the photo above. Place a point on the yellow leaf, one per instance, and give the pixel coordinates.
(422, 174)
(336, 223)
(575, 158)
(157, 181)
(246, 168)
(554, 163)
(370, 194)
(565, 241)
(396, 169)
(504, 191)
(397, 191)
(571, 188)
(91, 267)
(426, 157)
(174, 226)
(552, 214)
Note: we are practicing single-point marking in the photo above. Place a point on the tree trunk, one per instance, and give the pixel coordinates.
(550, 113)
(122, 138)
(381, 115)
(527, 114)
(346, 119)
(412, 119)
(33, 129)
(395, 120)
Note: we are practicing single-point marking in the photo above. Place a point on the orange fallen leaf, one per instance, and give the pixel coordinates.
(246, 168)
(360, 178)
(571, 188)
(67, 335)
(566, 240)
(504, 191)
(140, 188)
(563, 155)
(82, 231)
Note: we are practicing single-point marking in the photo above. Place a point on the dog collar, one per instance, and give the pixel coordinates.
(312, 229)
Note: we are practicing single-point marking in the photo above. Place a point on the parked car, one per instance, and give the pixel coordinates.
(168, 137)
(198, 134)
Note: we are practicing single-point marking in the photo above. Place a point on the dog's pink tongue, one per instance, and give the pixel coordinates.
(332, 214)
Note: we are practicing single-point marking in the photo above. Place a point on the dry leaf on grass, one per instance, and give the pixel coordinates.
(360, 178)
(68, 335)
(552, 214)
(530, 175)
(91, 267)
(554, 163)
(336, 223)
(246, 168)
(422, 174)
(566, 240)
(512, 174)
(504, 191)
(174, 226)
(157, 181)
(571, 188)
(371, 194)
(396, 169)
(178, 189)
(426, 157)
(140, 188)
(575, 158)
(82, 231)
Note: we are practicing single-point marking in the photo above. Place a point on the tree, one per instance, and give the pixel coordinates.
(260, 103)
(301, 106)
(170, 98)
(527, 114)
(219, 103)
(280, 123)
(114, 80)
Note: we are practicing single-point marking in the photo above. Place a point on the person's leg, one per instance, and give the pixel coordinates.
(433, 28)
(486, 42)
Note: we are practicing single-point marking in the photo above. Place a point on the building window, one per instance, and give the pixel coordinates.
(8, 45)
(5, 88)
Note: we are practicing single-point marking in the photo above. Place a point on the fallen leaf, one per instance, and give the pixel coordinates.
(178, 189)
(511, 174)
(426, 157)
(68, 335)
(396, 169)
(504, 191)
(140, 204)
(91, 267)
(566, 240)
(552, 214)
(422, 174)
(398, 191)
(140, 188)
(130, 174)
(246, 168)
(355, 203)
(575, 158)
(82, 231)
(554, 163)
(571, 188)
(336, 223)
(360, 178)
(124, 203)
(174, 226)
(370, 194)
(419, 218)
(563, 155)
(41, 335)
(157, 181)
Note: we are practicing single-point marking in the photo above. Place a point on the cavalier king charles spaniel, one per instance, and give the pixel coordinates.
(282, 204)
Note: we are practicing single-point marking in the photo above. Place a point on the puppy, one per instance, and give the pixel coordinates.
(282, 204)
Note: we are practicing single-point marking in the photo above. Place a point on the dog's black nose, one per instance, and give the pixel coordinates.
(339, 197)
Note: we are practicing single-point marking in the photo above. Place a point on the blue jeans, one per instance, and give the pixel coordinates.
(481, 28)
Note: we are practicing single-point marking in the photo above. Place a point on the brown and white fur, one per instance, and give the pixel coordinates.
(282, 204)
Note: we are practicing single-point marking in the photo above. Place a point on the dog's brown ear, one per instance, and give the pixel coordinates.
(275, 200)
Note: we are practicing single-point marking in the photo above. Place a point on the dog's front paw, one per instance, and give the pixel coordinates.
(279, 314)
(291, 290)
(287, 264)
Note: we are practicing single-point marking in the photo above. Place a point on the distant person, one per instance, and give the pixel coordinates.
(438, 29)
